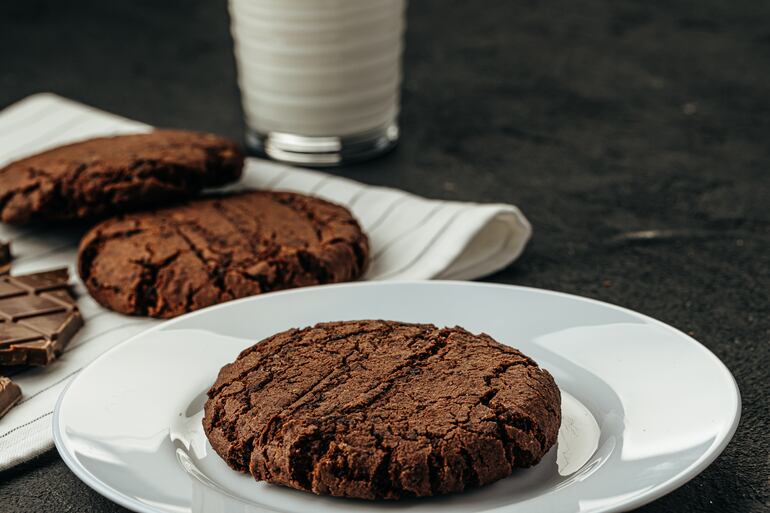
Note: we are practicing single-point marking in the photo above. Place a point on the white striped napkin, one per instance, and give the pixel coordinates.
(411, 238)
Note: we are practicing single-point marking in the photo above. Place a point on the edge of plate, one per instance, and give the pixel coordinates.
(84, 475)
(650, 495)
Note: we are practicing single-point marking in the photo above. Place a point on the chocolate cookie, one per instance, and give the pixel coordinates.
(111, 175)
(175, 260)
(381, 410)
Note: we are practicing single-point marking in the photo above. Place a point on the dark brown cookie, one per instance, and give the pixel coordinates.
(111, 175)
(381, 410)
(175, 260)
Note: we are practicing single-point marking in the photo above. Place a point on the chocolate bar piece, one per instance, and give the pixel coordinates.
(10, 393)
(5, 257)
(38, 317)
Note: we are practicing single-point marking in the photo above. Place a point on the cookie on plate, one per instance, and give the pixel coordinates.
(110, 175)
(381, 410)
(174, 260)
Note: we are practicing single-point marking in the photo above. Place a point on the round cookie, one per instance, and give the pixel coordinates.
(381, 410)
(174, 260)
(111, 175)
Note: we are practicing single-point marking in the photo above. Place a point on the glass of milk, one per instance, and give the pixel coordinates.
(319, 79)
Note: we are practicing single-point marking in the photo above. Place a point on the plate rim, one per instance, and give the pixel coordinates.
(646, 497)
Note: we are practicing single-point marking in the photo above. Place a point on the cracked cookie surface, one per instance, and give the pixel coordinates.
(381, 410)
(111, 175)
(174, 260)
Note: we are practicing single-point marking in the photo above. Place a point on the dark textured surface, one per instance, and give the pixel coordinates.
(378, 409)
(601, 120)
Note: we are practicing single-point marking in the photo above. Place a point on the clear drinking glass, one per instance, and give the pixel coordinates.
(320, 79)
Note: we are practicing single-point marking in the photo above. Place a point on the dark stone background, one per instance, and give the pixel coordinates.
(598, 118)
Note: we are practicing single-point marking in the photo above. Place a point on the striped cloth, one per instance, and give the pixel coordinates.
(411, 238)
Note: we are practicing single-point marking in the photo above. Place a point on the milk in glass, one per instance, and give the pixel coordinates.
(319, 79)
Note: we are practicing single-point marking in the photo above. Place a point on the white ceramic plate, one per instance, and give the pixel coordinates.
(645, 407)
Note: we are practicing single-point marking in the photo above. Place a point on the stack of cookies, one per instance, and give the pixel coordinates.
(158, 245)
(160, 250)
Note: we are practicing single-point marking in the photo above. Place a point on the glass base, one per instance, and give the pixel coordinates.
(322, 151)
